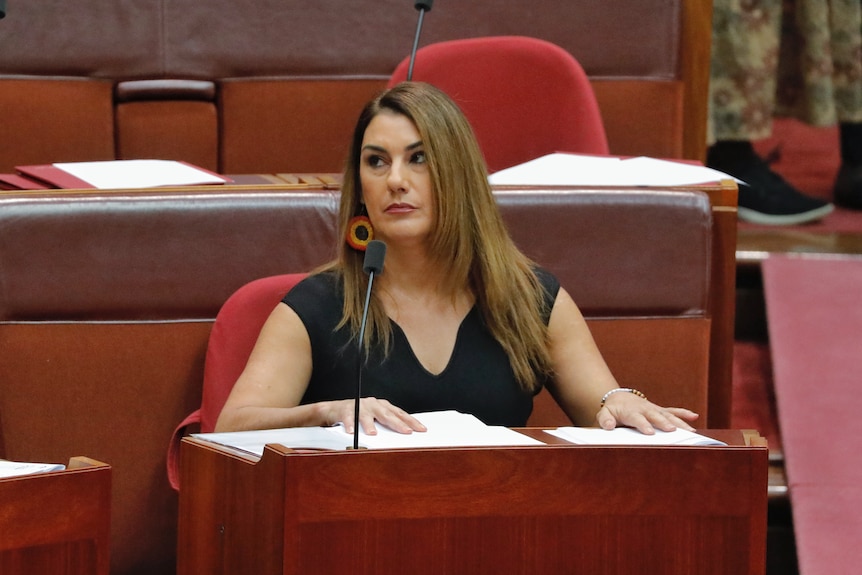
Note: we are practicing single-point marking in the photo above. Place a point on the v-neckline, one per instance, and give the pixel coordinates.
(455, 346)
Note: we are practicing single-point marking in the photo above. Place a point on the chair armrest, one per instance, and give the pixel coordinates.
(173, 461)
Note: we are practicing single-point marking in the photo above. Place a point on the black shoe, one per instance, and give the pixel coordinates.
(766, 198)
(848, 187)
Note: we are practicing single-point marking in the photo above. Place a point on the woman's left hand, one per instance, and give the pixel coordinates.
(627, 409)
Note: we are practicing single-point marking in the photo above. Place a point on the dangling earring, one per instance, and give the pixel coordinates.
(359, 231)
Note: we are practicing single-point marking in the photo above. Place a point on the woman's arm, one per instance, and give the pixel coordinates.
(267, 394)
(582, 378)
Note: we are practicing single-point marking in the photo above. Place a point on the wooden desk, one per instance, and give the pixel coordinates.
(545, 509)
(57, 523)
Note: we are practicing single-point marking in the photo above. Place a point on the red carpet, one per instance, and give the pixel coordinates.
(815, 330)
(827, 531)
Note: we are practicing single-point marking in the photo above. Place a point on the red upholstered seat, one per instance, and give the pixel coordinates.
(525, 97)
(233, 336)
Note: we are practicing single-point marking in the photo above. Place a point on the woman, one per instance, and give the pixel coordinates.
(459, 320)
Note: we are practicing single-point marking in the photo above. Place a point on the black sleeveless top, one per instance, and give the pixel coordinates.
(478, 379)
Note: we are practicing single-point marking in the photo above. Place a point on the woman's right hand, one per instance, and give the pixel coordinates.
(371, 410)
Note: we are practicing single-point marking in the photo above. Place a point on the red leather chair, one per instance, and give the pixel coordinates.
(525, 97)
(233, 336)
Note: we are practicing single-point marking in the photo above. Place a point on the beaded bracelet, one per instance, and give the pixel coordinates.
(626, 389)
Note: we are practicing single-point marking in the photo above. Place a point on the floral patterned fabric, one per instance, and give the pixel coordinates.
(795, 58)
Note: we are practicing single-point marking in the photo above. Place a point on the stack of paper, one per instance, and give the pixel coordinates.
(16, 468)
(628, 436)
(112, 175)
(445, 429)
(584, 170)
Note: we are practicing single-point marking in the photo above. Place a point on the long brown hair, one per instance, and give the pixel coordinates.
(469, 233)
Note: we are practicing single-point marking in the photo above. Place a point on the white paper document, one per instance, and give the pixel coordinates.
(584, 170)
(628, 436)
(16, 468)
(445, 429)
(120, 174)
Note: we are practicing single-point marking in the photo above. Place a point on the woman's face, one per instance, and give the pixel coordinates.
(395, 179)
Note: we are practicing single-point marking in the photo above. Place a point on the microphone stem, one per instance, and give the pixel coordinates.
(359, 371)
(415, 44)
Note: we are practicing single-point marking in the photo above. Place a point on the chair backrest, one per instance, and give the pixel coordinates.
(231, 341)
(233, 336)
(524, 97)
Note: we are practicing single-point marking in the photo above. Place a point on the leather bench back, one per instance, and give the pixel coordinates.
(155, 255)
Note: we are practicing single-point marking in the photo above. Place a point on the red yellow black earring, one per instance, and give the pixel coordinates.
(359, 232)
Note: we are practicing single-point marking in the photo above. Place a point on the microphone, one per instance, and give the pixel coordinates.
(375, 253)
(423, 6)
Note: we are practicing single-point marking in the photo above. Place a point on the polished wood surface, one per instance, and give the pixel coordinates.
(697, 18)
(57, 523)
(753, 245)
(724, 198)
(544, 509)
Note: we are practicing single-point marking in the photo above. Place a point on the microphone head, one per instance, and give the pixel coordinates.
(375, 253)
(423, 5)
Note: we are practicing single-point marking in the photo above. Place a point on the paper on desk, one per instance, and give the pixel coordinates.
(445, 429)
(17, 468)
(583, 170)
(628, 436)
(121, 174)
(253, 442)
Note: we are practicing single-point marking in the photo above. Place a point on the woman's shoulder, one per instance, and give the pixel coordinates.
(314, 288)
(550, 288)
(547, 280)
(317, 301)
